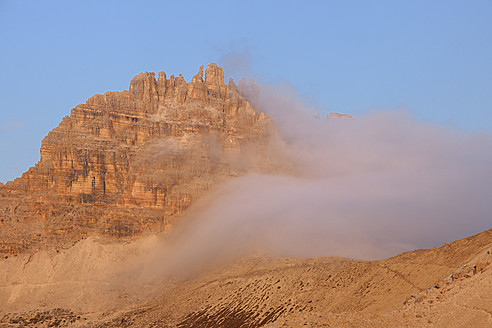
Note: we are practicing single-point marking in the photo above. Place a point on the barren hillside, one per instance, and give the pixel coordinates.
(91, 284)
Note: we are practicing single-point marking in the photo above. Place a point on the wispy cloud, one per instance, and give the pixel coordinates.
(236, 58)
(10, 124)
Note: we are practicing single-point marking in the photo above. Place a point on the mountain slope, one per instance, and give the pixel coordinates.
(414, 288)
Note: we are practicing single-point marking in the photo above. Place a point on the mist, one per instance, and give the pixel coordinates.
(364, 188)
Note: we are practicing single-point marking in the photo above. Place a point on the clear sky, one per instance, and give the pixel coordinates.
(432, 58)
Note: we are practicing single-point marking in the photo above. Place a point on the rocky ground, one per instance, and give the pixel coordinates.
(100, 285)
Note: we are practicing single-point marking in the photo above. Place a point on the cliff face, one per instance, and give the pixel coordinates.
(127, 163)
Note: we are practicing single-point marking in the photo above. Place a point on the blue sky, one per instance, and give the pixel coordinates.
(432, 58)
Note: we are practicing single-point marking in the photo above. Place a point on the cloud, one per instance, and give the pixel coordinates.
(11, 124)
(364, 188)
(237, 59)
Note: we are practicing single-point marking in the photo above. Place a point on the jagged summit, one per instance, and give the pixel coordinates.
(126, 163)
(148, 91)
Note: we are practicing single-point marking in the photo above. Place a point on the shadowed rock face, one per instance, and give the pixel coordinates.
(126, 163)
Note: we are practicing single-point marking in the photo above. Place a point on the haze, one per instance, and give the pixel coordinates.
(363, 188)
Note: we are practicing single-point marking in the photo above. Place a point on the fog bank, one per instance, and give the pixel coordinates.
(364, 188)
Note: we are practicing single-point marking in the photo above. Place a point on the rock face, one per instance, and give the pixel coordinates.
(126, 163)
(333, 115)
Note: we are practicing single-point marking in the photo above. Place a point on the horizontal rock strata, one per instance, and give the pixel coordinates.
(131, 162)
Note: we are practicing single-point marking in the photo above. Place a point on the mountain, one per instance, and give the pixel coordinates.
(90, 236)
(126, 164)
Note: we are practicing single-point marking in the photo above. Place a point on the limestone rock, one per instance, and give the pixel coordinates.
(161, 85)
(143, 87)
(197, 89)
(128, 163)
(338, 115)
(214, 79)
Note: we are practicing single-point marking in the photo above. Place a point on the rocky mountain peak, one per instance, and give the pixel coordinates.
(214, 79)
(198, 76)
(128, 163)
